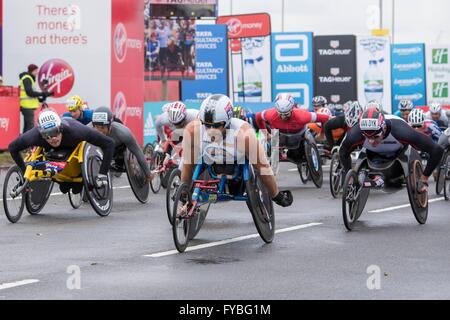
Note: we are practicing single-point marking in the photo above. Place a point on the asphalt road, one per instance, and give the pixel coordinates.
(129, 255)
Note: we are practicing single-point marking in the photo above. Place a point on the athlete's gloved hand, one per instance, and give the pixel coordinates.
(101, 180)
(283, 198)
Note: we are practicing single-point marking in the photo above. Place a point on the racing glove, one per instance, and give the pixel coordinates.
(283, 198)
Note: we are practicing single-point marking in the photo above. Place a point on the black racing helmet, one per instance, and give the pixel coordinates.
(102, 116)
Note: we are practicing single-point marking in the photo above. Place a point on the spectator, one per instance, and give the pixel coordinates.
(186, 36)
(152, 52)
(163, 33)
(173, 54)
(29, 97)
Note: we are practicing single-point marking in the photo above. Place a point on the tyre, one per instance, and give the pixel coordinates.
(13, 205)
(350, 199)
(136, 178)
(441, 173)
(335, 175)
(165, 177)
(303, 172)
(76, 200)
(261, 206)
(37, 196)
(314, 164)
(155, 162)
(418, 201)
(181, 225)
(100, 198)
(173, 183)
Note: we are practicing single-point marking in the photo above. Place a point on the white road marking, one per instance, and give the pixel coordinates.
(4, 286)
(402, 206)
(226, 241)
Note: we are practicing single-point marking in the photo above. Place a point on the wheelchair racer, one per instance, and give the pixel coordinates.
(78, 110)
(384, 136)
(317, 129)
(54, 133)
(404, 109)
(216, 126)
(438, 115)
(102, 121)
(418, 121)
(319, 102)
(245, 114)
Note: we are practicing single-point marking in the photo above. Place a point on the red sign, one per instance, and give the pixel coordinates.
(9, 120)
(246, 25)
(60, 77)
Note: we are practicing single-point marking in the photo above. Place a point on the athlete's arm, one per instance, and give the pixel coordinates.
(260, 120)
(31, 138)
(100, 140)
(333, 124)
(352, 139)
(190, 150)
(161, 121)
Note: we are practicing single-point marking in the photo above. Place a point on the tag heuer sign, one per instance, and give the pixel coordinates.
(369, 124)
(335, 98)
(335, 71)
(334, 44)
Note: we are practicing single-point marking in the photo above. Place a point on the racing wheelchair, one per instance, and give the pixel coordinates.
(299, 148)
(406, 165)
(75, 171)
(337, 173)
(443, 175)
(227, 182)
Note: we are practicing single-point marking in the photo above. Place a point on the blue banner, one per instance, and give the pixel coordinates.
(211, 75)
(408, 74)
(292, 66)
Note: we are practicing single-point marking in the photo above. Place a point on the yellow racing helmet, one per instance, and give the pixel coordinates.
(75, 103)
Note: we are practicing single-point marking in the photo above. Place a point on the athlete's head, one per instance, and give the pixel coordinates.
(216, 112)
(49, 126)
(102, 117)
(373, 126)
(284, 103)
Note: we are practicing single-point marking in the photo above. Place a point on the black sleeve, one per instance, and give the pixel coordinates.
(407, 135)
(29, 89)
(103, 142)
(30, 138)
(352, 139)
(333, 124)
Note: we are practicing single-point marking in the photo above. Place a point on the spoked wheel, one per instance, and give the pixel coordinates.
(37, 195)
(314, 164)
(155, 162)
(442, 173)
(303, 170)
(181, 224)
(165, 177)
(13, 201)
(418, 200)
(148, 151)
(350, 199)
(172, 186)
(335, 175)
(76, 199)
(100, 198)
(261, 206)
(136, 178)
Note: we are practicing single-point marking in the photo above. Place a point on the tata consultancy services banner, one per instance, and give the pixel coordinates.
(211, 64)
(408, 74)
(292, 68)
(249, 57)
(335, 68)
(374, 70)
(438, 74)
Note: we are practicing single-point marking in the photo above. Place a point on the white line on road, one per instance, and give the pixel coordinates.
(226, 241)
(402, 206)
(4, 286)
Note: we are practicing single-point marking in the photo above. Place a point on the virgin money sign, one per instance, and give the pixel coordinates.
(246, 25)
(127, 65)
(68, 40)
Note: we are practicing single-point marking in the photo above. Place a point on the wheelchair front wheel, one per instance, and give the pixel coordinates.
(37, 196)
(314, 163)
(442, 172)
(172, 186)
(136, 178)
(155, 162)
(303, 171)
(76, 199)
(350, 199)
(13, 205)
(181, 225)
(335, 175)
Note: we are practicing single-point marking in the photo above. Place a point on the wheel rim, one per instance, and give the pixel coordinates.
(314, 158)
(351, 199)
(335, 176)
(76, 199)
(181, 225)
(15, 205)
(156, 181)
(422, 198)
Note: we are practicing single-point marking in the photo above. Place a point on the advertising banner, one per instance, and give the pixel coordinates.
(292, 66)
(9, 120)
(250, 77)
(408, 74)
(68, 39)
(211, 64)
(335, 68)
(438, 74)
(127, 66)
(374, 70)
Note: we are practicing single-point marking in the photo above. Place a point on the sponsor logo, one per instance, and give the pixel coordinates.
(334, 44)
(59, 75)
(412, 97)
(335, 71)
(335, 52)
(122, 43)
(369, 124)
(289, 68)
(236, 27)
(440, 56)
(4, 123)
(335, 98)
(373, 44)
(335, 79)
(440, 89)
(407, 66)
(407, 51)
(101, 117)
(149, 128)
(120, 106)
(408, 82)
(291, 48)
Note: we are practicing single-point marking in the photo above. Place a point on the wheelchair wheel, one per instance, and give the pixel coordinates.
(418, 201)
(165, 177)
(76, 200)
(335, 175)
(13, 206)
(202, 211)
(181, 225)
(148, 151)
(303, 171)
(351, 199)
(447, 184)
(136, 178)
(314, 164)
(173, 184)
(37, 196)
(441, 175)
(262, 207)
(100, 198)
(156, 160)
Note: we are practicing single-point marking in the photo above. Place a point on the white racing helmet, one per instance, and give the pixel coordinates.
(49, 123)
(353, 113)
(284, 103)
(177, 112)
(215, 109)
(416, 118)
(435, 108)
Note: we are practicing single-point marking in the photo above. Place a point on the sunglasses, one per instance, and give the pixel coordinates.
(51, 133)
(416, 126)
(216, 125)
(405, 110)
(285, 115)
(372, 136)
